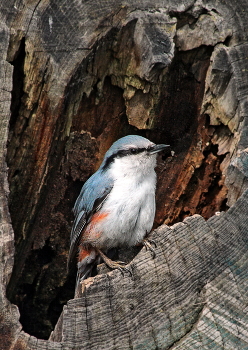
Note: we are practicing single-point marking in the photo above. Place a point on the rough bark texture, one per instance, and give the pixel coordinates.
(75, 76)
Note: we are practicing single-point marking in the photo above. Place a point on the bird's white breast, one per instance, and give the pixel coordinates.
(130, 207)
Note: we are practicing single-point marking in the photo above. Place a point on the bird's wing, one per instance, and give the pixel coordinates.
(90, 200)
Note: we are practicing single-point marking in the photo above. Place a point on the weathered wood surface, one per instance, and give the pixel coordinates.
(176, 70)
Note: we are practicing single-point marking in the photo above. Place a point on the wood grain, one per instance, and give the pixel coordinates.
(74, 77)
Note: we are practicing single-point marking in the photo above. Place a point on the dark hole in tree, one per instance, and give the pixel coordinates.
(39, 284)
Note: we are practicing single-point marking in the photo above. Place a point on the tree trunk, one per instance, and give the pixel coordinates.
(76, 76)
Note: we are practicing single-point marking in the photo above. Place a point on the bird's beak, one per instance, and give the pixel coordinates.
(157, 148)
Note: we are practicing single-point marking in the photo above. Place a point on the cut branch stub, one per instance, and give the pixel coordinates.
(166, 294)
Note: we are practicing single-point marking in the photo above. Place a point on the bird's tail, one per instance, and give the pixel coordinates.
(87, 259)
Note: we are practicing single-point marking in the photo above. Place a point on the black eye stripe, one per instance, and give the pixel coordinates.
(121, 153)
(149, 148)
(126, 152)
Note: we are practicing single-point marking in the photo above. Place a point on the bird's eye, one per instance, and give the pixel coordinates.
(133, 150)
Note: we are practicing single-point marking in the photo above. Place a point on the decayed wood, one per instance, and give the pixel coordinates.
(176, 71)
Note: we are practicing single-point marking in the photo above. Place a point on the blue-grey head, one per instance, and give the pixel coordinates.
(130, 152)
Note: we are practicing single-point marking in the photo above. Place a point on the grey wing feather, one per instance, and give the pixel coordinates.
(78, 226)
(91, 198)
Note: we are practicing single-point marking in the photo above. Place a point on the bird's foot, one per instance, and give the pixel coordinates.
(120, 265)
(148, 244)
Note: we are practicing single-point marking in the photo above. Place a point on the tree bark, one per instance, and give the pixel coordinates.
(74, 78)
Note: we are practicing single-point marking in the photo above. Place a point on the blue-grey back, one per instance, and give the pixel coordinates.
(95, 187)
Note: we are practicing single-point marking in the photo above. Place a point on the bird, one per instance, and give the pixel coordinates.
(116, 205)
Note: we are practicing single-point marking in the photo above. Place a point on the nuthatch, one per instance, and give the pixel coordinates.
(116, 206)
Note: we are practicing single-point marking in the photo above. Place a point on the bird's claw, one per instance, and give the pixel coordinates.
(120, 262)
(148, 244)
(120, 265)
